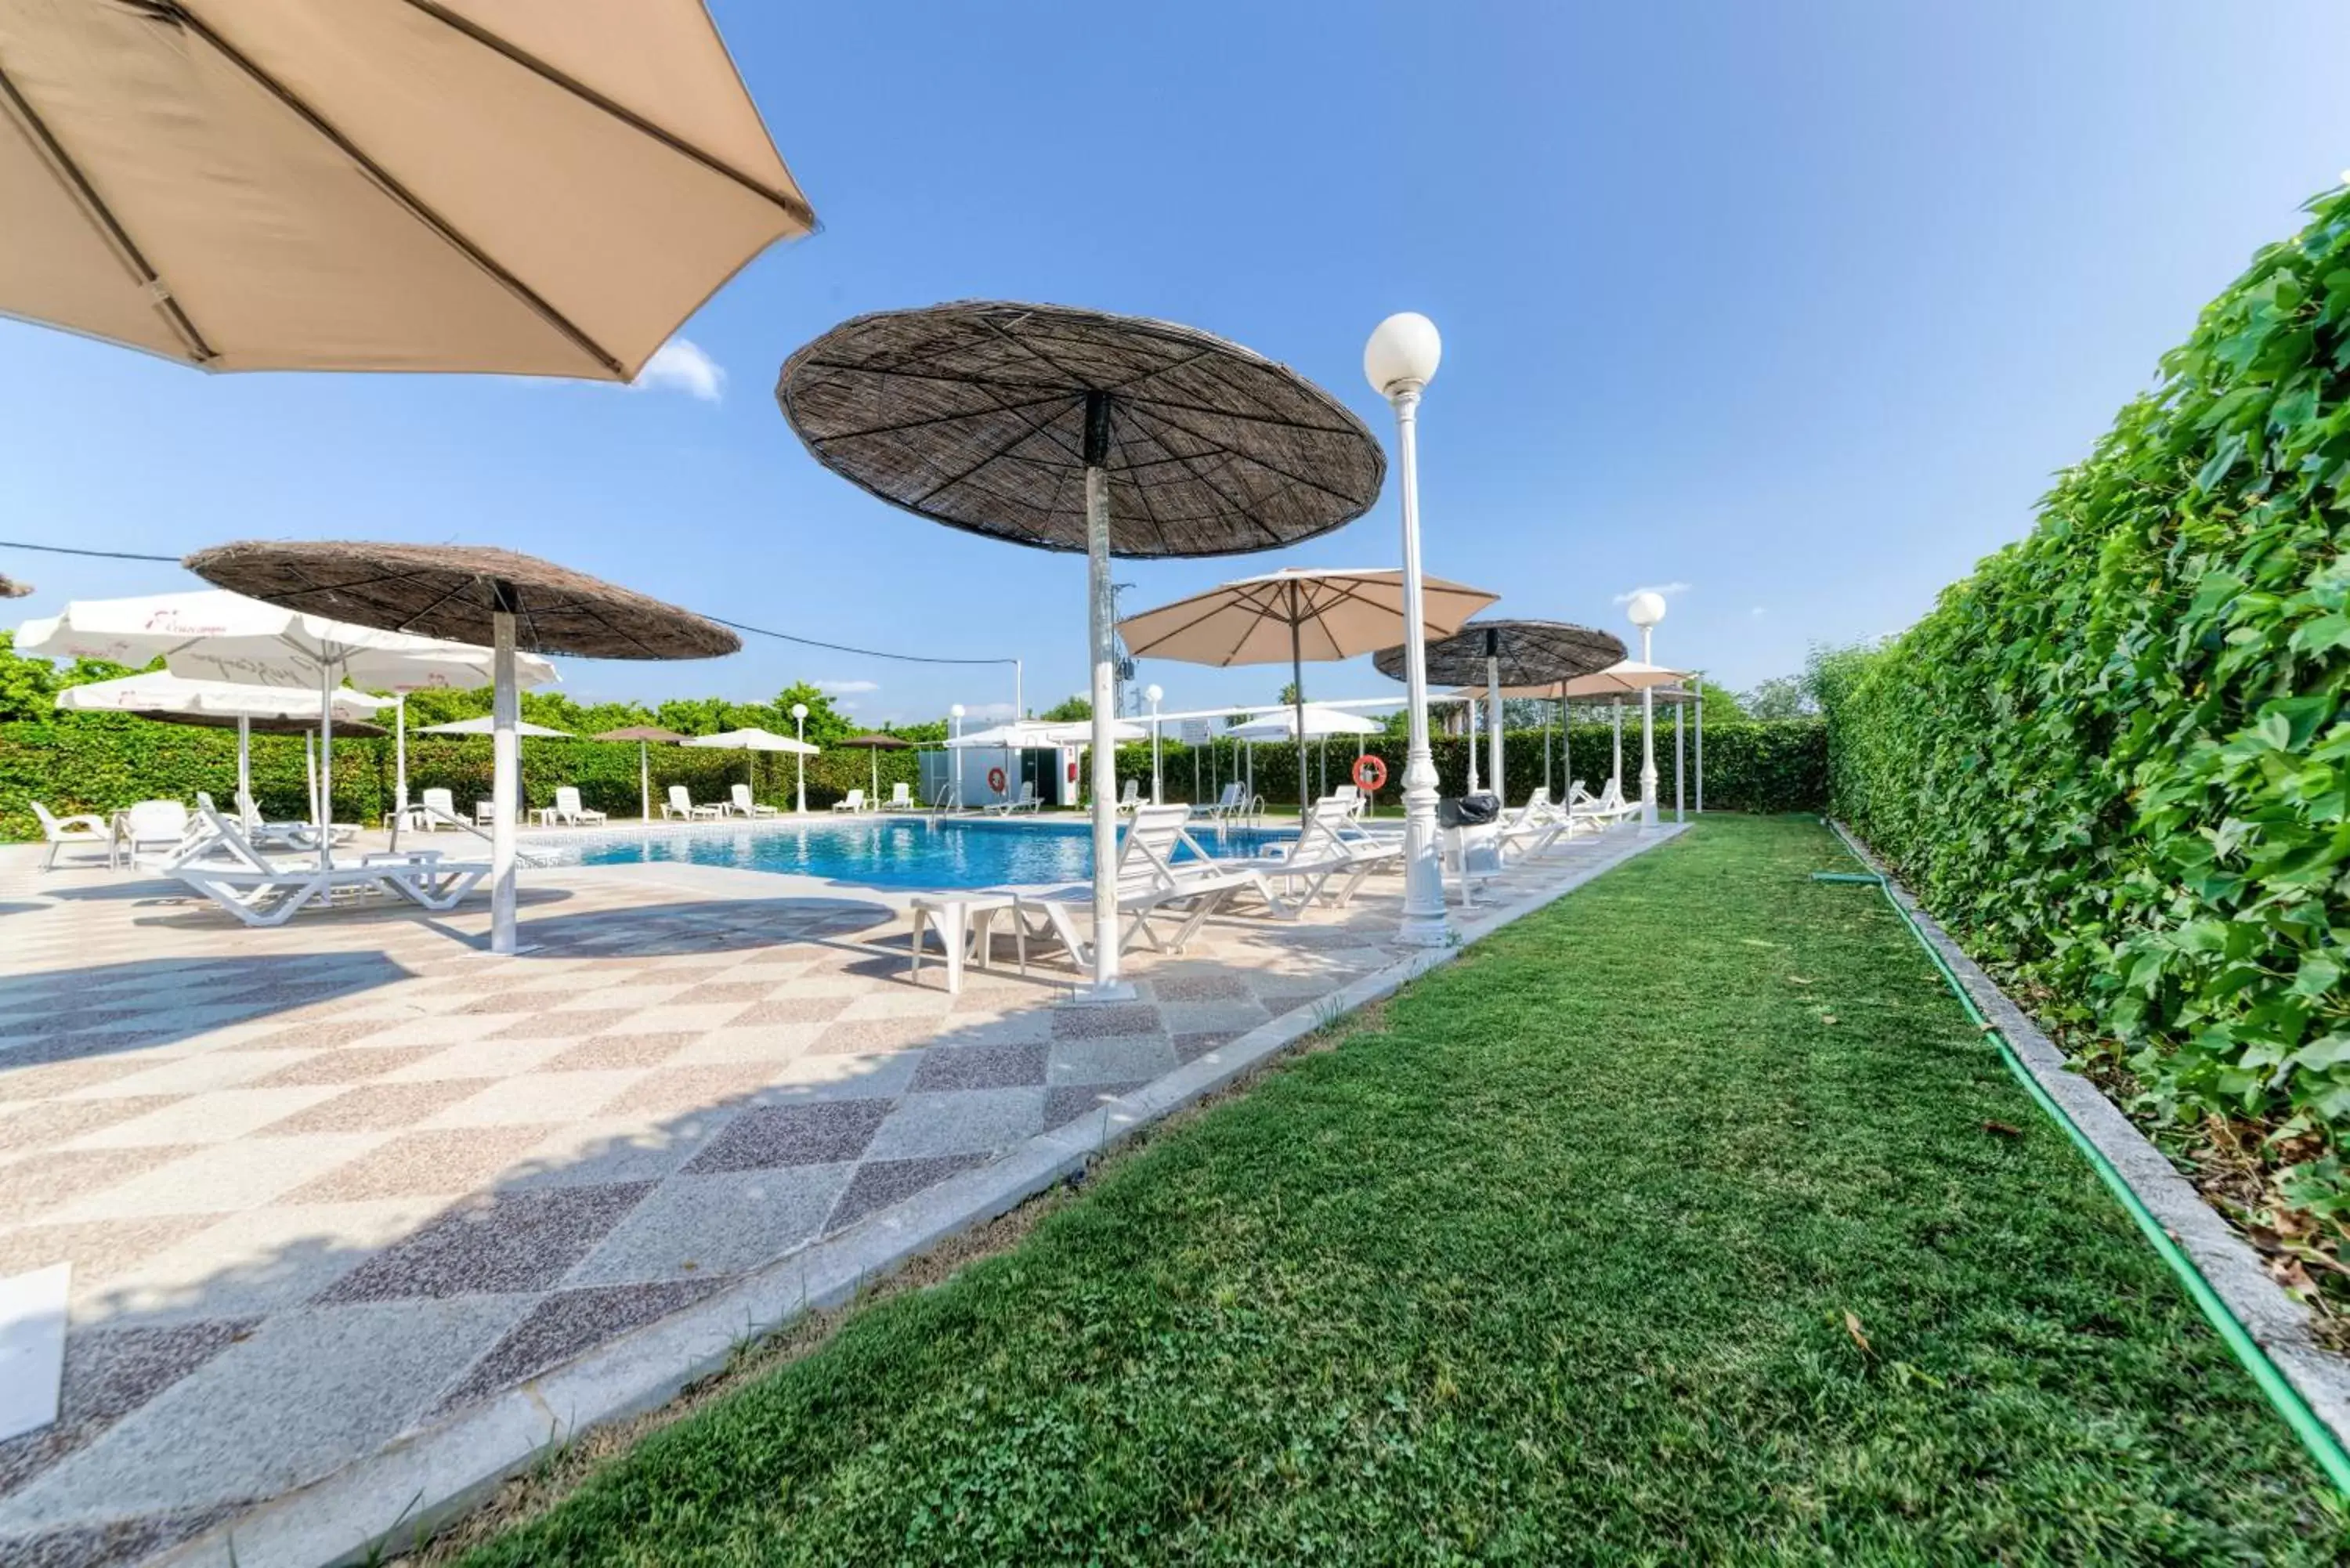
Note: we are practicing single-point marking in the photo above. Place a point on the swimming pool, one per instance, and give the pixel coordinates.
(900, 851)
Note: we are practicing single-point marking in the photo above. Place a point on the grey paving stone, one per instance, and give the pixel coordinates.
(1068, 1101)
(509, 1242)
(109, 1372)
(377, 1108)
(226, 1431)
(728, 1224)
(964, 1121)
(569, 1323)
(1209, 986)
(1100, 1022)
(356, 1065)
(1014, 1064)
(33, 1187)
(1189, 1048)
(820, 1132)
(792, 1010)
(1122, 1059)
(882, 1182)
(605, 1051)
(116, 1543)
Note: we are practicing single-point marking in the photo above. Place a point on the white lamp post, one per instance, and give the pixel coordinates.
(954, 727)
(1154, 694)
(1646, 610)
(799, 759)
(1399, 361)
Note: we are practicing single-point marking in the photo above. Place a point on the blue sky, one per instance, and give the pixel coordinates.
(1793, 308)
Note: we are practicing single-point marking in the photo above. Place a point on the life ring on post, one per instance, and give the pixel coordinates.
(1370, 773)
(995, 779)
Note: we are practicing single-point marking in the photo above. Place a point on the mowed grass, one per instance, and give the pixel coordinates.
(1665, 1225)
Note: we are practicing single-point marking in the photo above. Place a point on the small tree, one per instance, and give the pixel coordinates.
(1069, 710)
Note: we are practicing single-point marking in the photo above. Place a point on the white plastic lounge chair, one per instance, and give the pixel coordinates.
(260, 891)
(1324, 854)
(852, 803)
(1536, 825)
(440, 810)
(901, 798)
(1352, 798)
(1227, 804)
(79, 828)
(152, 829)
(267, 835)
(568, 809)
(739, 801)
(1602, 810)
(1027, 801)
(679, 804)
(1151, 881)
(1132, 798)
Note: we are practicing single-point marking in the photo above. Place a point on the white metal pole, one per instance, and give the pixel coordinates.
(799, 766)
(399, 756)
(1493, 719)
(1154, 751)
(1616, 777)
(1102, 617)
(1680, 724)
(1425, 923)
(326, 819)
(505, 779)
(1647, 740)
(1018, 712)
(1700, 745)
(645, 778)
(1297, 695)
(1468, 731)
(244, 767)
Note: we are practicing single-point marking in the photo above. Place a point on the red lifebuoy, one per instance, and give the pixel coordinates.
(995, 779)
(1370, 772)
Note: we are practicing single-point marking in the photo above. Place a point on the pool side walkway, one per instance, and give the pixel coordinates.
(359, 1216)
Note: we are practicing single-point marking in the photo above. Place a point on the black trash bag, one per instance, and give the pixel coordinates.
(1468, 810)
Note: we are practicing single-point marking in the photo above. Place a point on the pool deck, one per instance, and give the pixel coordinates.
(356, 1212)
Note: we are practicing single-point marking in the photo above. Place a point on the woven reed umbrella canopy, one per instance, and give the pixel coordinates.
(476, 595)
(347, 729)
(10, 588)
(644, 735)
(875, 743)
(1074, 430)
(1502, 653)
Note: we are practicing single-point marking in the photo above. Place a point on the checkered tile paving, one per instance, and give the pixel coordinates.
(324, 1183)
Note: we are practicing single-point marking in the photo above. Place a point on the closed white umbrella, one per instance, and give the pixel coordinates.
(212, 635)
(155, 693)
(1320, 722)
(486, 724)
(753, 740)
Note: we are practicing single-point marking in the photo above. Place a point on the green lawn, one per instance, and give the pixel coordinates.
(1552, 1263)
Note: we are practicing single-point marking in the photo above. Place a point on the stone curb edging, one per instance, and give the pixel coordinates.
(2277, 1322)
(429, 1477)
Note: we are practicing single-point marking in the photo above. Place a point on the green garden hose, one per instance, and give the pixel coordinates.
(2282, 1396)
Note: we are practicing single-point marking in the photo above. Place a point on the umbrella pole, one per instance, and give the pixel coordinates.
(1493, 718)
(1566, 750)
(873, 777)
(1617, 776)
(325, 820)
(398, 759)
(645, 780)
(505, 775)
(1102, 616)
(1468, 731)
(1700, 745)
(244, 767)
(1297, 698)
(1680, 724)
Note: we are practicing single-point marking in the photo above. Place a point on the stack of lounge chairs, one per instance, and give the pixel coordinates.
(217, 860)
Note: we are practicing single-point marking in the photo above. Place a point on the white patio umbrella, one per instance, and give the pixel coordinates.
(486, 724)
(753, 739)
(1308, 722)
(159, 692)
(1622, 679)
(212, 635)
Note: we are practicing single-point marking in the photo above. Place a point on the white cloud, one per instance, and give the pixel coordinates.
(843, 688)
(989, 712)
(1756, 610)
(1665, 590)
(680, 366)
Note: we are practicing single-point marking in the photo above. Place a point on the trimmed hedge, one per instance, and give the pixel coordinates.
(101, 763)
(2115, 758)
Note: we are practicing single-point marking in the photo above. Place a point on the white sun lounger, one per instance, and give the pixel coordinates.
(262, 892)
(901, 798)
(1602, 810)
(679, 804)
(744, 805)
(1027, 801)
(1227, 805)
(566, 808)
(1151, 881)
(852, 803)
(1323, 855)
(81, 828)
(1131, 797)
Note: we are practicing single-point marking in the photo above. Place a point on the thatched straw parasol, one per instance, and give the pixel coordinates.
(875, 743)
(10, 588)
(1508, 653)
(644, 735)
(475, 595)
(1073, 430)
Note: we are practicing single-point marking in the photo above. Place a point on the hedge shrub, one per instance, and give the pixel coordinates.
(101, 762)
(2115, 758)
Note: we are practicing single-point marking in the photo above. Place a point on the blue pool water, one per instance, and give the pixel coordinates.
(906, 852)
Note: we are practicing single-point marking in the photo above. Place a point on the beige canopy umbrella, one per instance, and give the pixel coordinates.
(1298, 613)
(1504, 654)
(1618, 680)
(644, 735)
(378, 185)
(476, 595)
